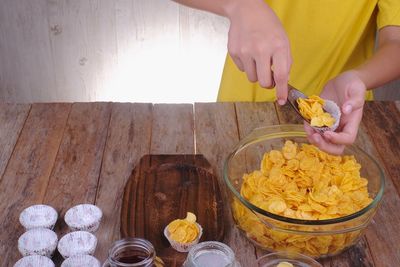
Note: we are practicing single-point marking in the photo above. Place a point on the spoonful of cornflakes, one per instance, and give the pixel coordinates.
(322, 114)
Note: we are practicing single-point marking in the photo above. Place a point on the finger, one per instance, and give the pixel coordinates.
(264, 73)
(349, 132)
(355, 99)
(238, 62)
(250, 68)
(281, 75)
(308, 129)
(317, 140)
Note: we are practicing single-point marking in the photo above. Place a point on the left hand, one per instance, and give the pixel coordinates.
(348, 91)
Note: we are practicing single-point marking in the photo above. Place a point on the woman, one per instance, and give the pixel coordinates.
(326, 46)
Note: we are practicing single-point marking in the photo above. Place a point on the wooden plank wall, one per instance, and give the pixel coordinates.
(102, 50)
(119, 50)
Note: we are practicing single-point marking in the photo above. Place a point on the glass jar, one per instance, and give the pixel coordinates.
(211, 254)
(131, 252)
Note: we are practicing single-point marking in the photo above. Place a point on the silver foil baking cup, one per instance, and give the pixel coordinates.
(83, 217)
(37, 241)
(77, 243)
(38, 216)
(34, 261)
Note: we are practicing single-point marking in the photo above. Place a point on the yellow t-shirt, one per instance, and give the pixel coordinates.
(327, 37)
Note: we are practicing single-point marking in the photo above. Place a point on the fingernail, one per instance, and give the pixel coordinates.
(281, 102)
(347, 109)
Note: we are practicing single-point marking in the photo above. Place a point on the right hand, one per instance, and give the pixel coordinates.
(256, 42)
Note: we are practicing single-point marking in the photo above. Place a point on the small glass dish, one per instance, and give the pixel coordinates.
(38, 241)
(34, 261)
(77, 243)
(296, 259)
(81, 260)
(83, 217)
(38, 216)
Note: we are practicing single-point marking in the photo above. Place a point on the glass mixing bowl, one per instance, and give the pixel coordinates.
(315, 238)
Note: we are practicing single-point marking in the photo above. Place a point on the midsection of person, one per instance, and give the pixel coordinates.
(327, 37)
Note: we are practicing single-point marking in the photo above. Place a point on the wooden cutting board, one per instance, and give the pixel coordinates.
(163, 188)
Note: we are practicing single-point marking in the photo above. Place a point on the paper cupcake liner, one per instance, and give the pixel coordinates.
(77, 243)
(333, 109)
(34, 261)
(38, 241)
(38, 216)
(83, 217)
(81, 260)
(183, 247)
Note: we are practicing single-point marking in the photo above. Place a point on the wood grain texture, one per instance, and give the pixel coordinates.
(172, 129)
(25, 179)
(27, 73)
(216, 134)
(12, 119)
(83, 47)
(254, 115)
(128, 139)
(381, 123)
(163, 188)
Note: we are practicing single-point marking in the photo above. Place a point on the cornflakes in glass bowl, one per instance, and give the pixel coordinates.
(287, 195)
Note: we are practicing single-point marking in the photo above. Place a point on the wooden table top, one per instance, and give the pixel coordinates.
(65, 154)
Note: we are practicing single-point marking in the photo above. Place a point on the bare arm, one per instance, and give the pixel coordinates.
(256, 42)
(384, 66)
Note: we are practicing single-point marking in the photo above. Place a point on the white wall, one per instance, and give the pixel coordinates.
(109, 50)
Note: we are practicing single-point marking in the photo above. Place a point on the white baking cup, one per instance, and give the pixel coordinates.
(34, 261)
(38, 216)
(183, 247)
(81, 261)
(77, 243)
(38, 241)
(84, 217)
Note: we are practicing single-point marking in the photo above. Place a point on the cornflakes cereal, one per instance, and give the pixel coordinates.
(184, 230)
(311, 109)
(302, 182)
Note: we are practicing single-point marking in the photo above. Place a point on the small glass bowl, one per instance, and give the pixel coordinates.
(273, 232)
(296, 259)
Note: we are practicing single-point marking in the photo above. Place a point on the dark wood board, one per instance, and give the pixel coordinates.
(163, 188)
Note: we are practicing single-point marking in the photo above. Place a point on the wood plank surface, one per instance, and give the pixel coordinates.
(12, 119)
(128, 139)
(25, 179)
(172, 129)
(76, 170)
(163, 188)
(216, 134)
(381, 125)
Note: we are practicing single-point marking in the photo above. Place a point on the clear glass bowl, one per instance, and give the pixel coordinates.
(315, 238)
(296, 259)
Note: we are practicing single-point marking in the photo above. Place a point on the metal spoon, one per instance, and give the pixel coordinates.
(329, 106)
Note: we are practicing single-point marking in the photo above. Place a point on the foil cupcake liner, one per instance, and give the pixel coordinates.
(83, 217)
(38, 216)
(81, 261)
(183, 247)
(38, 241)
(77, 243)
(34, 261)
(333, 109)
